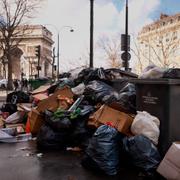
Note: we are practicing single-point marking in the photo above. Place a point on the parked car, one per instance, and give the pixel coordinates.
(3, 83)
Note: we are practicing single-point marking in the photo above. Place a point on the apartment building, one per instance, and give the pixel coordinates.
(159, 43)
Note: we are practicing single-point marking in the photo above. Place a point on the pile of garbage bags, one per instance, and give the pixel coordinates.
(95, 111)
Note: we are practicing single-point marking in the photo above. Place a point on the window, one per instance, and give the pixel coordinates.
(174, 35)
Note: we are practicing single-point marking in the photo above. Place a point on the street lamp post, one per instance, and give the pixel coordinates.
(71, 30)
(58, 43)
(58, 57)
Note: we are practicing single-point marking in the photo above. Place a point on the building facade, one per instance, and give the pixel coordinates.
(25, 61)
(159, 43)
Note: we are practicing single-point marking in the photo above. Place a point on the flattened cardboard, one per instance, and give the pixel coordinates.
(35, 120)
(52, 102)
(40, 96)
(170, 165)
(41, 89)
(24, 107)
(120, 120)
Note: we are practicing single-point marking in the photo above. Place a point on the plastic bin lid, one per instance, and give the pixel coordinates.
(155, 81)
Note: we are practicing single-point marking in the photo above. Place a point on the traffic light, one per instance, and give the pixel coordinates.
(38, 51)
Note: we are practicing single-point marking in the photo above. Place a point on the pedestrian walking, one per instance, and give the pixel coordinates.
(16, 84)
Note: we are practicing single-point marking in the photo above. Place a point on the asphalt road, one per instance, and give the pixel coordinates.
(20, 161)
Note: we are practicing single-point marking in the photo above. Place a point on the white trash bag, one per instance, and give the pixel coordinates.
(147, 125)
(14, 118)
(152, 72)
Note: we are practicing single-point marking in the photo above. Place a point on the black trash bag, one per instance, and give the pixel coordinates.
(18, 97)
(99, 91)
(65, 82)
(82, 75)
(103, 149)
(86, 109)
(65, 75)
(90, 164)
(90, 74)
(52, 89)
(142, 153)
(172, 73)
(80, 134)
(48, 139)
(118, 84)
(57, 123)
(116, 74)
(11, 108)
(127, 98)
(96, 74)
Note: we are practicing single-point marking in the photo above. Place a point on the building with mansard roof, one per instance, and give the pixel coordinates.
(159, 42)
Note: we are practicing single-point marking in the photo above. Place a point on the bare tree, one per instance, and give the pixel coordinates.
(137, 52)
(13, 26)
(111, 48)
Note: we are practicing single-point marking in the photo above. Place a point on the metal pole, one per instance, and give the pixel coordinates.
(58, 58)
(91, 32)
(126, 33)
(38, 65)
(126, 18)
(53, 63)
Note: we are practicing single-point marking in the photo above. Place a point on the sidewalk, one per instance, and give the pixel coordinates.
(3, 95)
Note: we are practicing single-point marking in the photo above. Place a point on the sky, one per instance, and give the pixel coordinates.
(109, 15)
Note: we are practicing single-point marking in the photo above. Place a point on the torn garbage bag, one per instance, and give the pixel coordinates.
(103, 149)
(100, 92)
(142, 153)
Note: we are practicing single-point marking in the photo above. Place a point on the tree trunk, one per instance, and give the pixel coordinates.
(10, 81)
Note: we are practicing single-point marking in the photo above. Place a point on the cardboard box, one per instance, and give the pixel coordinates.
(1, 122)
(170, 165)
(64, 102)
(40, 97)
(35, 120)
(41, 89)
(24, 107)
(120, 120)
(52, 102)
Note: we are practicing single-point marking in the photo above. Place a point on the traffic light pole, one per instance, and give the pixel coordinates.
(38, 55)
(38, 65)
(53, 63)
(125, 43)
(126, 33)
